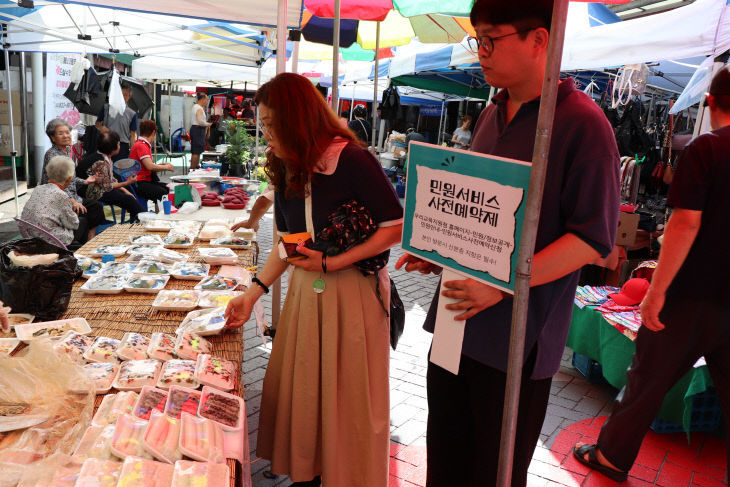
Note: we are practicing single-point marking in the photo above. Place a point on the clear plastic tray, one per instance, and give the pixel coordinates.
(182, 399)
(162, 438)
(74, 345)
(115, 250)
(232, 242)
(201, 439)
(148, 239)
(216, 299)
(162, 347)
(104, 285)
(128, 437)
(178, 373)
(145, 283)
(8, 345)
(99, 473)
(104, 349)
(53, 329)
(149, 399)
(102, 374)
(222, 408)
(191, 271)
(177, 240)
(204, 322)
(138, 472)
(112, 406)
(133, 346)
(96, 443)
(176, 301)
(151, 267)
(189, 345)
(135, 374)
(215, 372)
(189, 473)
(217, 283)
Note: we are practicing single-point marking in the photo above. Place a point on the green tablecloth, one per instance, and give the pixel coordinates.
(591, 335)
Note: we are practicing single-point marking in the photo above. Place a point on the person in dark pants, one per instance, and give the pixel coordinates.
(578, 223)
(149, 185)
(685, 311)
(198, 130)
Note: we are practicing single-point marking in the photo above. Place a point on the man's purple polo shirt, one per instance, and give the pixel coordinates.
(581, 197)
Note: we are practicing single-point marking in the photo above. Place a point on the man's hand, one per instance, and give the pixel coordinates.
(79, 209)
(650, 308)
(313, 262)
(246, 224)
(413, 264)
(474, 296)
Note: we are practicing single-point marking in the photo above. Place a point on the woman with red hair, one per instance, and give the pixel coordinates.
(325, 404)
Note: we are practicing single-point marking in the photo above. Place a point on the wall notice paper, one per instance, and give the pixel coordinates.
(448, 334)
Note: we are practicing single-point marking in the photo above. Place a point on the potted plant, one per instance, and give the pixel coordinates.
(239, 150)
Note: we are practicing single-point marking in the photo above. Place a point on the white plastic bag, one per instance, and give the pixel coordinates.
(77, 72)
(188, 207)
(116, 99)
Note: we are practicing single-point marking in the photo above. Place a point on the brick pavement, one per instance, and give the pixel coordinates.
(573, 403)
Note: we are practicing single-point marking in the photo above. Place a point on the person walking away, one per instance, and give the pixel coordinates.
(578, 223)
(462, 135)
(325, 403)
(685, 311)
(198, 130)
(359, 125)
(124, 124)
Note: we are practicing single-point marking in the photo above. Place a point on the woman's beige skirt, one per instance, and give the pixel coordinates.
(325, 405)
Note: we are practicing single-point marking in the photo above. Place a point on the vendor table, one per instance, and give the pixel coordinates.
(591, 335)
(112, 315)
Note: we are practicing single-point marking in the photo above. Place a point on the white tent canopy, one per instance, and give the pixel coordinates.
(154, 67)
(255, 12)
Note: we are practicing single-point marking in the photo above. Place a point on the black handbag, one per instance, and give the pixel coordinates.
(349, 225)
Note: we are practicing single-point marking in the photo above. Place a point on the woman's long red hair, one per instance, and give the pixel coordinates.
(304, 126)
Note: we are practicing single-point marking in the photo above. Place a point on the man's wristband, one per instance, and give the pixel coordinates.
(263, 286)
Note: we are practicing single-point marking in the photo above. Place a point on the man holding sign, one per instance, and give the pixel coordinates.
(578, 222)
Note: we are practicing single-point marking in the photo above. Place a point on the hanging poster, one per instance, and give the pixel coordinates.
(465, 211)
(58, 77)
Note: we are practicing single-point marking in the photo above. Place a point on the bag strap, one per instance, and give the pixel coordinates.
(367, 136)
(308, 208)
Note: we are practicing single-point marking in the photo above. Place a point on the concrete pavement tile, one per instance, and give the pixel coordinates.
(409, 432)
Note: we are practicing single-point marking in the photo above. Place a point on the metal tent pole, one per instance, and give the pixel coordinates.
(39, 123)
(24, 116)
(375, 141)
(154, 115)
(527, 242)
(441, 121)
(13, 152)
(336, 59)
(295, 57)
(256, 148)
(352, 101)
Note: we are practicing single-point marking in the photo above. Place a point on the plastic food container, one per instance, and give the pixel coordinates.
(153, 268)
(104, 285)
(217, 283)
(134, 374)
(176, 240)
(216, 299)
(162, 347)
(96, 443)
(8, 345)
(158, 225)
(204, 322)
(201, 439)
(138, 472)
(189, 473)
(236, 272)
(149, 239)
(218, 255)
(133, 347)
(168, 256)
(128, 437)
(53, 329)
(189, 345)
(215, 372)
(99, 473)
(176, 301)
(92, 270)
(190, 271)
(104, 349)
(149, 399)
(211, 232)
(246, 233)
(178, 373)
(117, 269)
(181, 399)
(232, 242)
(112, 406)
(19, 319)
(73, 345)
(146, 284)
(115, 250)
(223, 408)
(102, 375)
(162, 438)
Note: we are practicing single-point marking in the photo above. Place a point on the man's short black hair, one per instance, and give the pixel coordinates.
(108, 142)
(522, 14)
(720, 89)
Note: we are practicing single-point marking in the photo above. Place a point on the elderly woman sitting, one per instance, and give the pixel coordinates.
(49, 206)
(89, 211)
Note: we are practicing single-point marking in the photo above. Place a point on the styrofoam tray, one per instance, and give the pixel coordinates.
(150, 399)
(161, 351)
(221, 242)
(115, 285)
(115, 250)
(216, 372)
(133, 346)
(230, 399)
(8, 345)
(218, 283)
(178, 373)
(20, 319)
(160, 283)
(104, 349)
(182, 271)
(55, 329)
(204, 322)
(161, 269)
(146, 239)
(176, 300)
(182, 399)
(102, 375)
(158, 225)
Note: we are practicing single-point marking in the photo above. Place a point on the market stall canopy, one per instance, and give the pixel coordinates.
(254, 12)
(160, 68)
(78, 28)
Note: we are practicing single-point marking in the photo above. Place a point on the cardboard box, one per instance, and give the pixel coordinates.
(5, 146)
(4, 112)
(628, 223)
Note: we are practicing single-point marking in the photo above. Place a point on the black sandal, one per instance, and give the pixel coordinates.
(593, 463)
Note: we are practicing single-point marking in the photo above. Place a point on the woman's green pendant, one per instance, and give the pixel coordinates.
(319, 285)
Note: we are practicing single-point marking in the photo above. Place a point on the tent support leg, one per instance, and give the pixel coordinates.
(376, 146)
(336, 59)
(13, 152)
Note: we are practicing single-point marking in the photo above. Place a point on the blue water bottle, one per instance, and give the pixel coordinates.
(400, 188)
